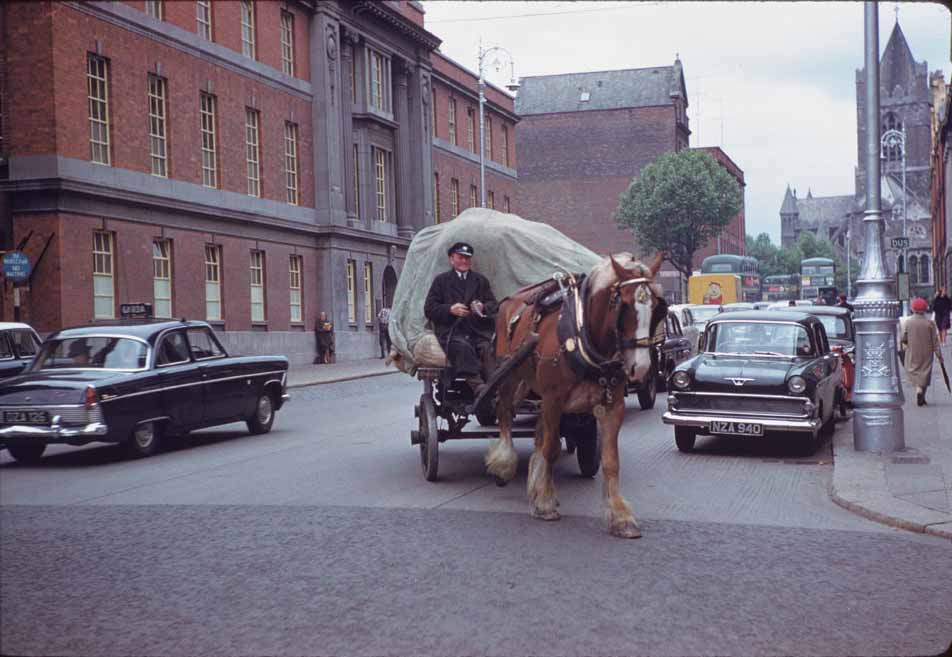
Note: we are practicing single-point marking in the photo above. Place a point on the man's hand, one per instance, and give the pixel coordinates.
(477, 307)
(459, 310)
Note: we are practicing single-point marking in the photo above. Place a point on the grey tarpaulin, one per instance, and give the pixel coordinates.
(510, 251)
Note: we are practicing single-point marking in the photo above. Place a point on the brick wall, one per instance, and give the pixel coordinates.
(450, 166)
(574, 166)
(31, 127)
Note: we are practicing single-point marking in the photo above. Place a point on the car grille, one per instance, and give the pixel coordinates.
(792, 407)
(75, 415)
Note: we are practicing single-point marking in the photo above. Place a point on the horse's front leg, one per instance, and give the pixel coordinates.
(541, 486)
(621, 521)
(501, 459)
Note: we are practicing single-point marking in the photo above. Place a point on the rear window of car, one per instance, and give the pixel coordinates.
(92, 352)
(761, 338)
(835, 326)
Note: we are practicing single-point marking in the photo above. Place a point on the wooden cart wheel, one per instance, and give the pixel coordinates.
(429, 438)
(582, 430)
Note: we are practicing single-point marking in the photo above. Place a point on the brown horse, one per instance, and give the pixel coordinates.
(621, 307)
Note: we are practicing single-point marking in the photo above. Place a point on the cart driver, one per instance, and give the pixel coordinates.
(460, 304)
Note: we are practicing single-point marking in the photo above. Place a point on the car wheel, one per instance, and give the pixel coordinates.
(648, 392)
(145, 440)
(684, 438)
(263, 417)
(28, 452)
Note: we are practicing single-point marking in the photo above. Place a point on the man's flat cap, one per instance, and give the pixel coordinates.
(461, 248)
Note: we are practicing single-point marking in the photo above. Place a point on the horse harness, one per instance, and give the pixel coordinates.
(572, 295)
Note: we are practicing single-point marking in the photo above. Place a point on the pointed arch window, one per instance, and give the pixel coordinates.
(913, 270)
(901, 264)
(924, 270)
(892, 149)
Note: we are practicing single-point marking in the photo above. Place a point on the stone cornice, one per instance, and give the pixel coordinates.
(402, 24)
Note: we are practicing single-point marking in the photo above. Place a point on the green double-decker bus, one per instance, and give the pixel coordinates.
(816, 273)
(782, 287)
(744, 266)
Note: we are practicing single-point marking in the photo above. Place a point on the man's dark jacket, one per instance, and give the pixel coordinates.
(447, 289)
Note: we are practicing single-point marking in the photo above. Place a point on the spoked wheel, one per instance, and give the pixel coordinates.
(648, 392)
(429, 439)
(582, 432)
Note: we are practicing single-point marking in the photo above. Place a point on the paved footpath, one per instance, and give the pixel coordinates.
(309, 375)
(911, 489)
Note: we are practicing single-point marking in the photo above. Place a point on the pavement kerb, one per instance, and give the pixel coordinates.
(942, 529)
(343, 377)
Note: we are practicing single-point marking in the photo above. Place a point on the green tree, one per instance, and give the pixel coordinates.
(678, 204)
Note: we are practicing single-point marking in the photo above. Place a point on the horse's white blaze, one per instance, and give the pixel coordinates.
(638, 360)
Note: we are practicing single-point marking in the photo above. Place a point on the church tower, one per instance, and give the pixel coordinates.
(789, 220)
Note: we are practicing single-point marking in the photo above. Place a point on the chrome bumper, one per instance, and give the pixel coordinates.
(55, 432)
(704, 421)
(285, 397)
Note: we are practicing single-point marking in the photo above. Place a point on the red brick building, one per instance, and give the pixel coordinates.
(249, 163)
(733, 239)
(584, 136)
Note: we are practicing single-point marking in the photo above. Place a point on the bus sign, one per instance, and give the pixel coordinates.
(16, 266)
(900, 242)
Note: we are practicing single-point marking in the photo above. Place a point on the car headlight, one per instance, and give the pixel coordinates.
(681, 380)
(796, 384)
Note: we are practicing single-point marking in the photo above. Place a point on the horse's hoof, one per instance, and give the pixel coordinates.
(500, 481)
(625, 530)
(539, 514)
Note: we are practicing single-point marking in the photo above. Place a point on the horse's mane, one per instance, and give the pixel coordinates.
(603, 274)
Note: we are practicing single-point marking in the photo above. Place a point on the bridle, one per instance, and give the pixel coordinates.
(641, 296)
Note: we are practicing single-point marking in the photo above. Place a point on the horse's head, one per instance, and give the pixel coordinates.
(640, 309)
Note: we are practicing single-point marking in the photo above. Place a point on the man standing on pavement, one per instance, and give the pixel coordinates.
(921, 340)
(460, 304)
(942, 307)
(383, 319)
(324, 334)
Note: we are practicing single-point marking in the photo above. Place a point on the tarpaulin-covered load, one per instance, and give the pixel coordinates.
(510, 251)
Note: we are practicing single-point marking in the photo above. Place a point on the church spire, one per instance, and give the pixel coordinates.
(897, 67)
(789, 203)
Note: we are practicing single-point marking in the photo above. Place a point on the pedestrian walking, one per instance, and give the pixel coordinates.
(383, 320)
(324, 337)
(942, 307)
(843, 303)
(920, 338)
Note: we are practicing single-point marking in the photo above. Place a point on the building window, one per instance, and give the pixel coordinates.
(155, 9)
(104, 293)
(914, 270)
(352, 291)
(157, 131)
(257, 286)
(203, 19)
(287, 42)
(368, 293)
(505, 145)
(382, 174)
(162, 277)
(97, 76)
(488, 131)
(209, 150)
(893, 152)
(452, 120)
(378, 81)
(454, 197)
(924, 270)
(433, 112)
(212, 282)
(353, 76)
(356, 182)
(505, 204)
(436, 197)
(291, 160)
(473, 196)
(900, 264)
(295, 267)
(470, 129)
(248, 28)
(252, 155)
(490, 200)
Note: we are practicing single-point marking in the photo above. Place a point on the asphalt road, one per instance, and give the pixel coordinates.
(322, 538)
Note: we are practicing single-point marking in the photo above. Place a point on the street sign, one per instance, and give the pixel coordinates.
(135, 310)
(899, 242)
(16, 266)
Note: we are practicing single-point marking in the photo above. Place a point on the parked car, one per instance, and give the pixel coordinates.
(673, 350)
(734, 307)
(841, 332)
(18, 345)
(688, 327)
(760, 372)
(132, 384)
(702, 313)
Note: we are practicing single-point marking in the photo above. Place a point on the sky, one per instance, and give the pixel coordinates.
(771, 83)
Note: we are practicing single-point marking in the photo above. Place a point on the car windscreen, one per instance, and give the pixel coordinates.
(835, 326)
(24, 342)
(704, 313)
(92, 352)
(761, 338)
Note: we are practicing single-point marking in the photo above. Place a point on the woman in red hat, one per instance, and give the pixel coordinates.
(921, 340)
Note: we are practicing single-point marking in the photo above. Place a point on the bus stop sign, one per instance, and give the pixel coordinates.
(16, 266)
(899, 242)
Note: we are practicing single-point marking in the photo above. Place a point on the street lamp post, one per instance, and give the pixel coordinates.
(893, 138)
(512, 86)
(877, 394)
